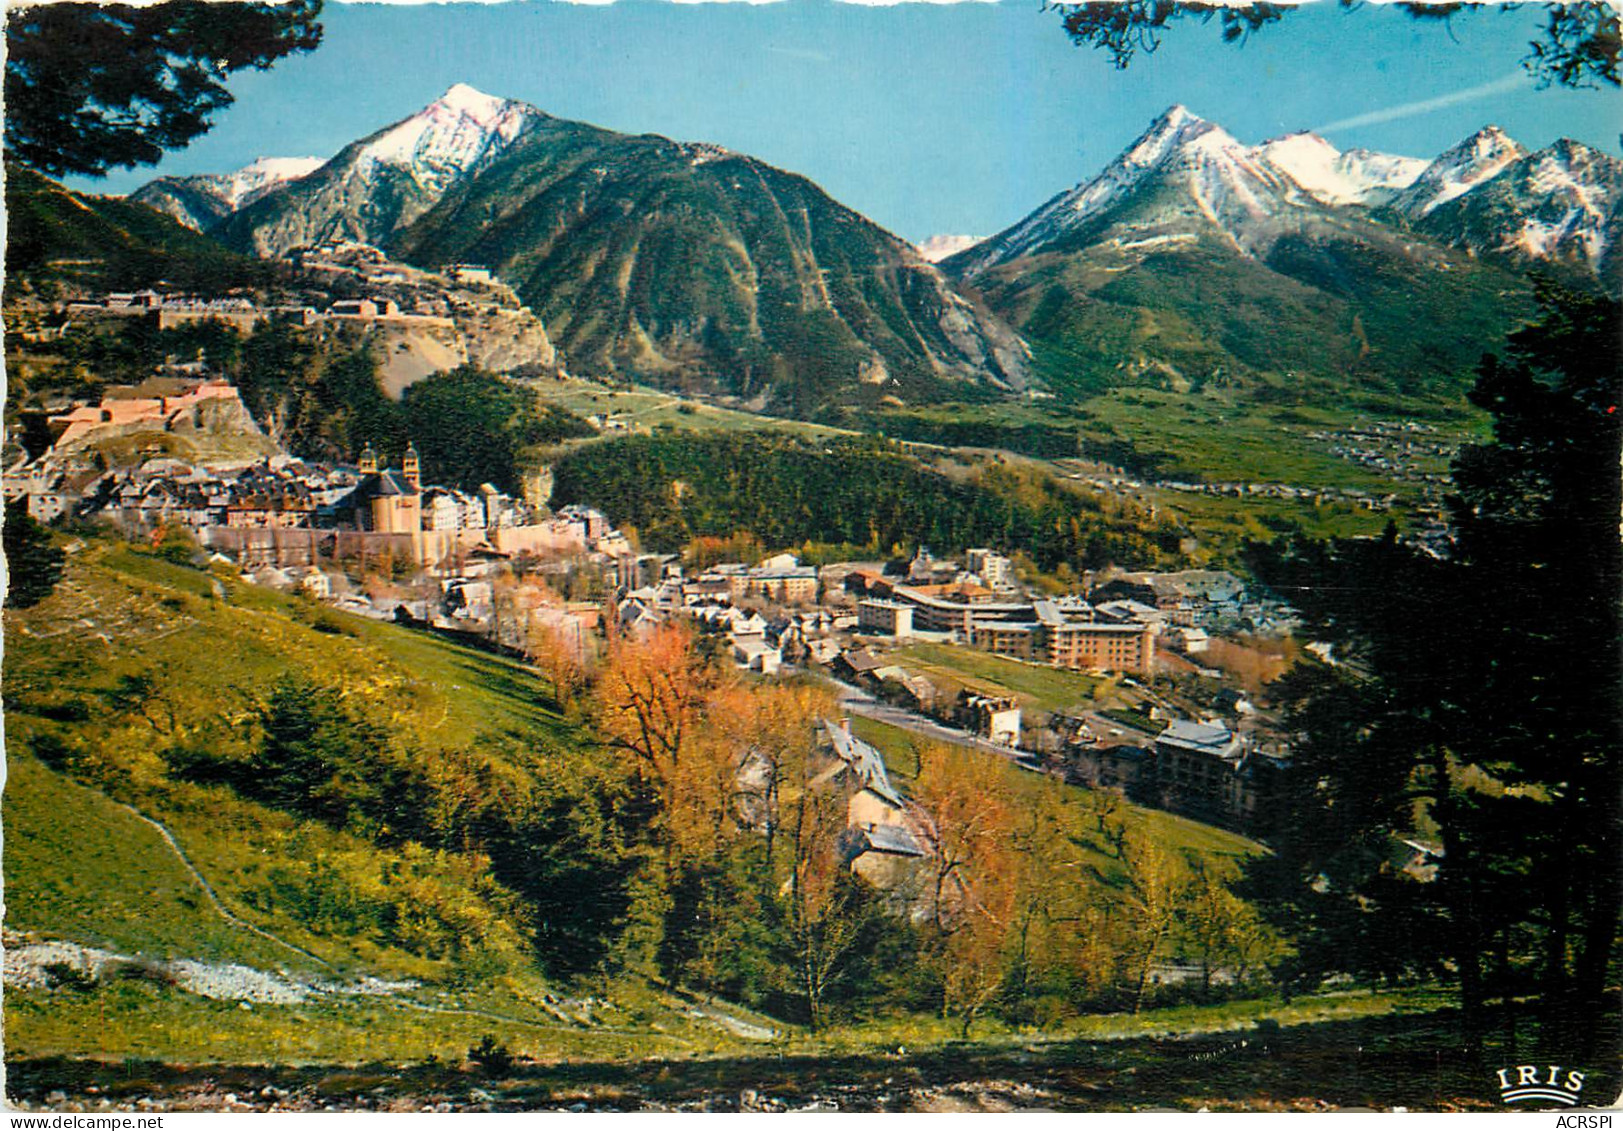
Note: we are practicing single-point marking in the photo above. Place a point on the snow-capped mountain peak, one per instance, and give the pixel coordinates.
(1175, 127)
(264, 173)
(1563, 203)
(1474, 161)
(1488, 143)
(1358, 176)
(1185, 178)
(457, 132)
(1219, 179)
(476, 104)
(1174, 120)
(939, 247)
(387, 180)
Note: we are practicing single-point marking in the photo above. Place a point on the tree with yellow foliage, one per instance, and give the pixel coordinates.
(1223, 930)
(782, 795)
(827, 911)
(1052, 897)
(1157, 889)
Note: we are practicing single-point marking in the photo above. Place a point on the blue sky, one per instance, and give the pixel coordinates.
(928, 118)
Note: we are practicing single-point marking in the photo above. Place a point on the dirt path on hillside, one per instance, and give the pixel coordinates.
(208, 890)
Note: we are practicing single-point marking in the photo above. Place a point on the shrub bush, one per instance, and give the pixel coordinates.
(492, 1058)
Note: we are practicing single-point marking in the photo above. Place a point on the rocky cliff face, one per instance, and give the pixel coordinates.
(507, 340)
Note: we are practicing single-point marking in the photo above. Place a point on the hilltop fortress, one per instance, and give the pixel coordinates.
(169, 403)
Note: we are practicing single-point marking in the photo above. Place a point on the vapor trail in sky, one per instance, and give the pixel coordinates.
(1427, 105)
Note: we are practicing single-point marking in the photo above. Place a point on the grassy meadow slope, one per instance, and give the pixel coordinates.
(1315, 318)
(1174, 346)
(138, 674)
(92, 767)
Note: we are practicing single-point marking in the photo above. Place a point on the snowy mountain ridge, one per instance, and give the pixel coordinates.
(1562, 204)
(1186, 176)
(1356, 176)
(1455, 172)
(386, 180)
(1198, 171)
(264, 173)
(200, 201)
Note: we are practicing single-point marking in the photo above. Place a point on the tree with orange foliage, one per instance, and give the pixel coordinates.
(971, 823)
(558, 648)
(825, 913)
(651, 698)
(702, 829)
(740, 849)
(560, 658)
(651, 694)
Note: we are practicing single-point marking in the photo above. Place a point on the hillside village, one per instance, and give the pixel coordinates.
(376, 540)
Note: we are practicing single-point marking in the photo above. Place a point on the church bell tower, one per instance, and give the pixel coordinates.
(411, 470)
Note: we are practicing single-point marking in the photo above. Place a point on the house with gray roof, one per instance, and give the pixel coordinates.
(863, 761)
(1206, 771)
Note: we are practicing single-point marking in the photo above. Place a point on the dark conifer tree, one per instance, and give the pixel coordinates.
(1476, 706)
(91, 87)
(33, 565)
(1577, 48)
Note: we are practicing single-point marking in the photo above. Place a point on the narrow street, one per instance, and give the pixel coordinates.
(859, 702)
